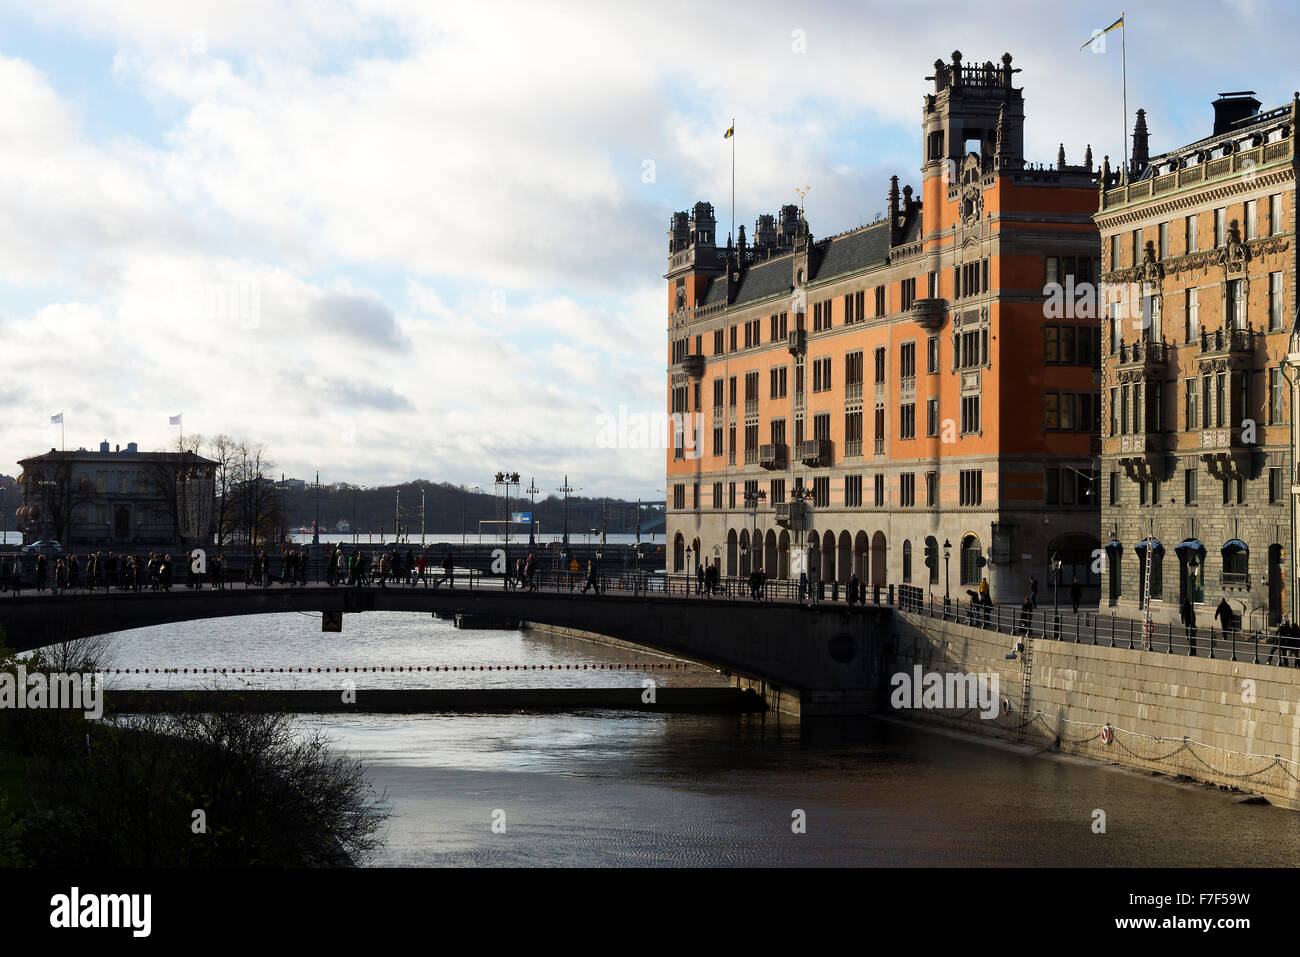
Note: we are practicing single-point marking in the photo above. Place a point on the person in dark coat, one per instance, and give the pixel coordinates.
(1026, 611)
(1076, 593)
(1188, 616)
(1223, 613)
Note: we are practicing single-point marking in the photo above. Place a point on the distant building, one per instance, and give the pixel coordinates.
(1199, 263)
(118, 498)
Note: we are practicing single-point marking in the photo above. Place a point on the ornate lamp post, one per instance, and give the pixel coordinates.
(505, 480)
(754, 500)
(947, 575)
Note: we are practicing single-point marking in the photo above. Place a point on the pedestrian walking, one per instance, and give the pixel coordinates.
(1188, 616)
(1076, 594)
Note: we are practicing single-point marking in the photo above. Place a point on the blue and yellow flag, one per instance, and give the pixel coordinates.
(1117, 23)
(731, 131)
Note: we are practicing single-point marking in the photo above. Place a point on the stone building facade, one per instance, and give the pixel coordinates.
(118, 498)
(896, 402)
(1198, 249)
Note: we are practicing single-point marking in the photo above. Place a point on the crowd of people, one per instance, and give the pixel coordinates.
(89, 572)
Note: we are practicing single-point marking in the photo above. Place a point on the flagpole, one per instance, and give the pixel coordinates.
(733, 181)
(1123, 74)
(63, 436)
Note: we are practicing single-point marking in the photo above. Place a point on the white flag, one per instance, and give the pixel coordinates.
(56, 419)
(174, 420)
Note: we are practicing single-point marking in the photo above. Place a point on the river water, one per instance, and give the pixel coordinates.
(606, 788)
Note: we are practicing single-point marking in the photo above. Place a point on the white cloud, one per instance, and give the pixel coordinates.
(414, 239)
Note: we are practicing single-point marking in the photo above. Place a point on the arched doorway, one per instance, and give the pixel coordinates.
(813, 557)
(122, 522)
(879, 574)
(860, 557)
(769, 556)
(1191, 570)
(679, 552)
(845, 557)
(971, 560)
(1157, 561)
(1075, 551)
(1114, 568)
(828, 557)
(731, 553)
(745, 556)
(783, 555)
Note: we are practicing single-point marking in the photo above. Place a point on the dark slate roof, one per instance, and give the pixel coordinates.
(852, 251)
(764, 279)
(717, 291)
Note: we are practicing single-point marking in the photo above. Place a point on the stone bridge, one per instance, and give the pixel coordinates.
(803, 659)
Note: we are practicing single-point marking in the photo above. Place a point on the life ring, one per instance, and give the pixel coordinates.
(1107, 734)
(1006, 706)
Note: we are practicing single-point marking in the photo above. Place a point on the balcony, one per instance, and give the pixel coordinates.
(751, 407)
(1144, 356)
(694, 366)
(751, 456)
(1224, 453)
(1142, 454)
(853, 392)
(797, 342)
(816, 452)
(1235, 580)
(791, 514)
(772, 456)
(1237, 346)
(853, 449)
(929, 313)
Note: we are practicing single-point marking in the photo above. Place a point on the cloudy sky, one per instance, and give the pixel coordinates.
(395, 240)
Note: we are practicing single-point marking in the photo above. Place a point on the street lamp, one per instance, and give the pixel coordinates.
(463, 499)
(1056, 593)
(532, 491)
(505, 480)
(688, 565)
(566, 489)
(315, 522)
(947, 575)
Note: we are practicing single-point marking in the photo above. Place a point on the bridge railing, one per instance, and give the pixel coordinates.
(1089, 627)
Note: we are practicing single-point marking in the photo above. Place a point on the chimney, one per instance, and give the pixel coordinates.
(117, 448)
(132, 447)
(893, 210)
(103, 446)
(1231, 107)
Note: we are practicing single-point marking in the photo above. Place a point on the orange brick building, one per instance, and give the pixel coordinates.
(856, 403)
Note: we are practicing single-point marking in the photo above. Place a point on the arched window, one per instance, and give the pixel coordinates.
(1191, 568)
(1236, 564)
(970, 560)
(907, 562)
